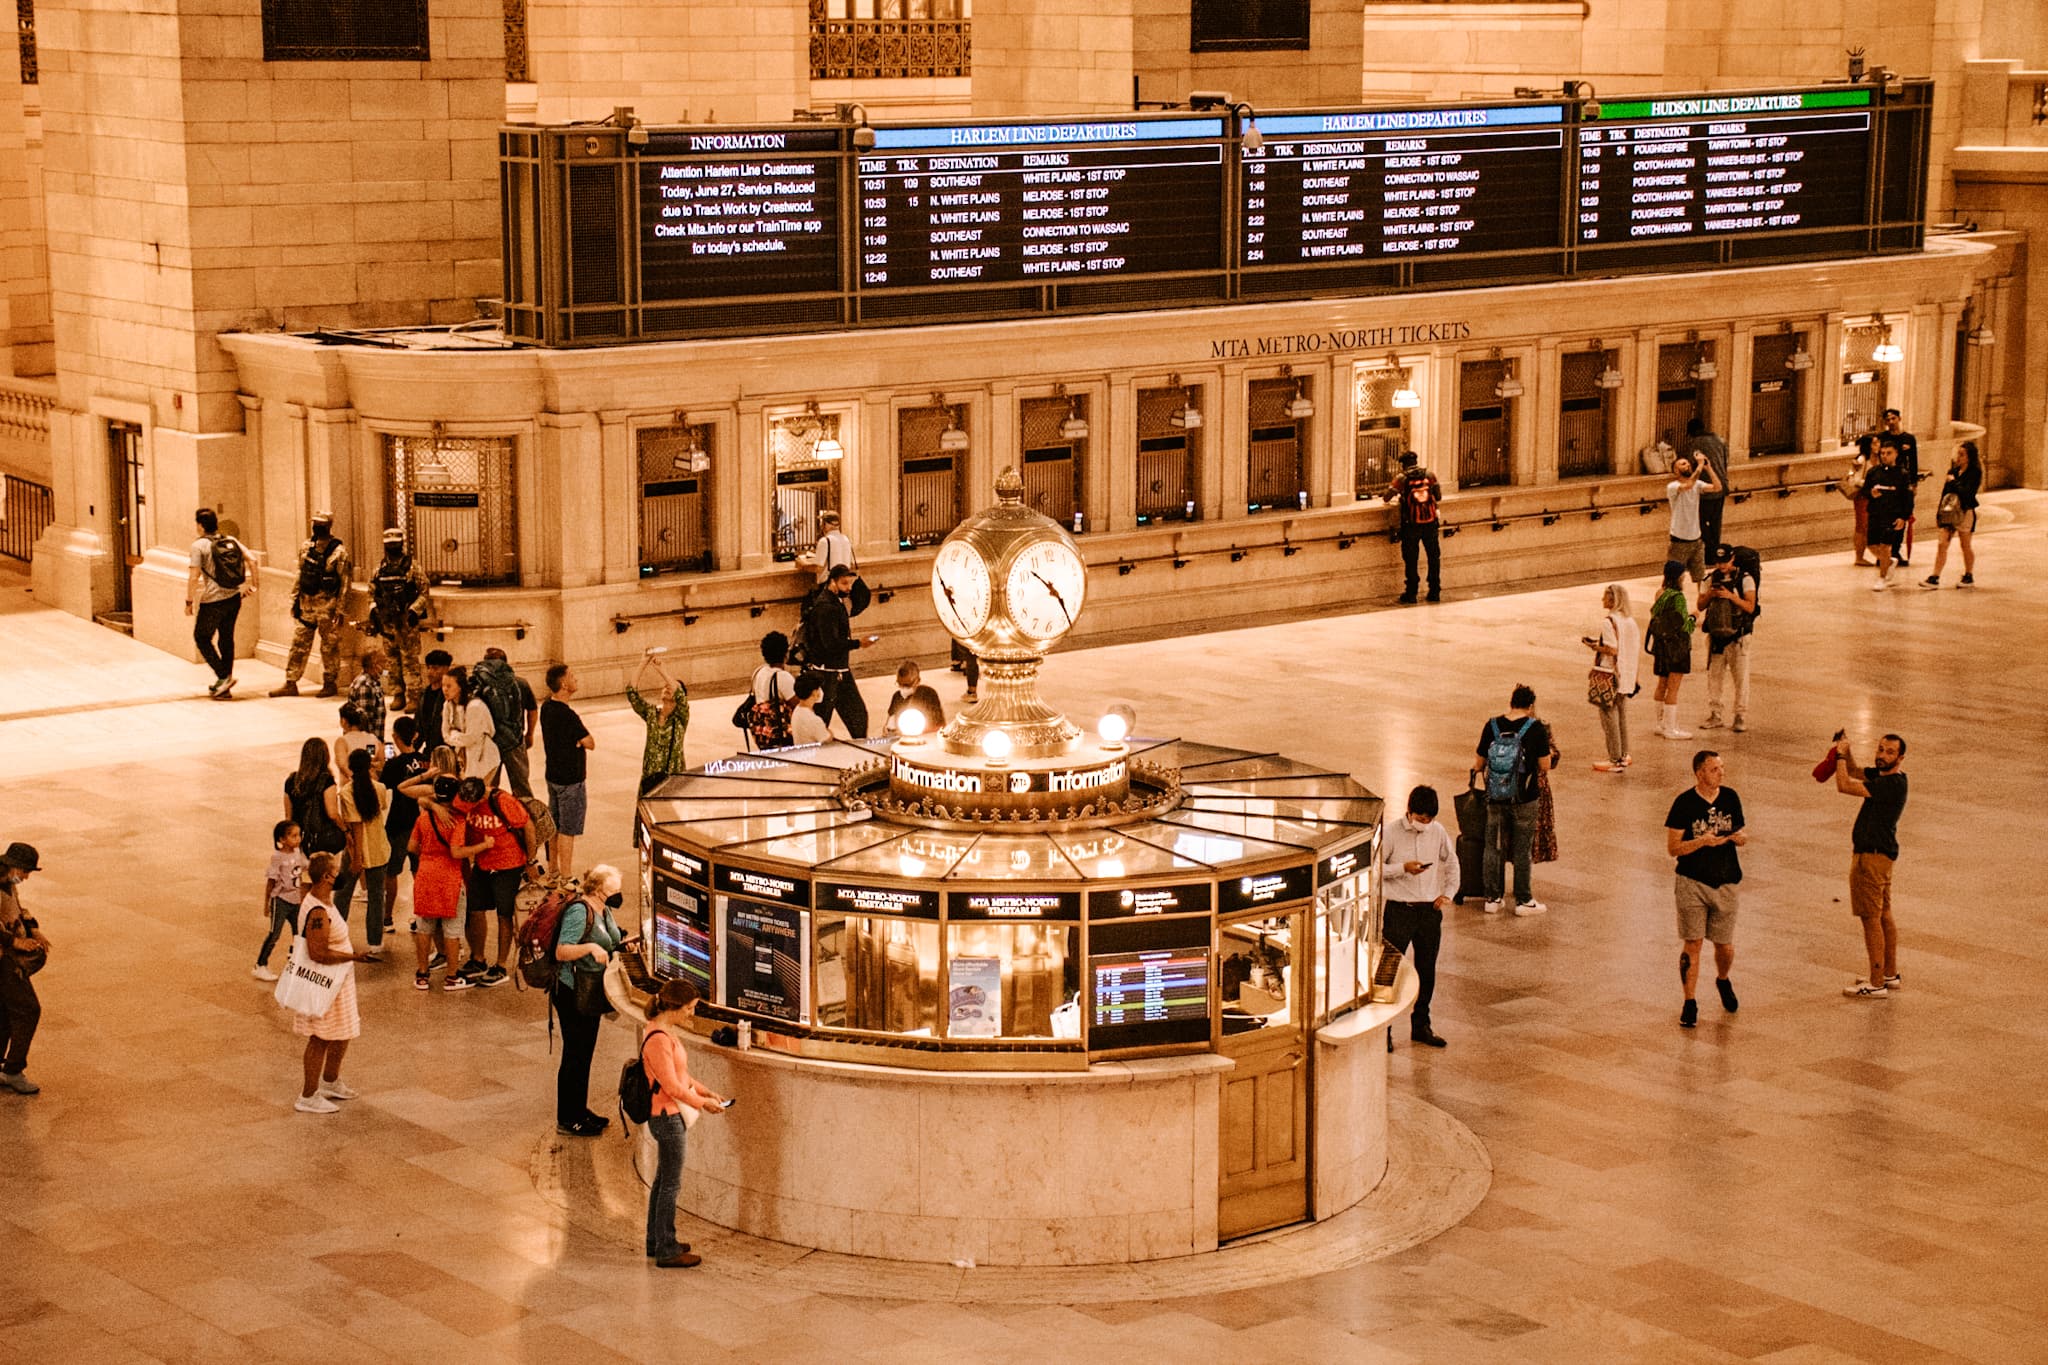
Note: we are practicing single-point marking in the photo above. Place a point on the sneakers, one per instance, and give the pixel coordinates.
(227, 687)
(1740, 725)
(1892, 983)
(1676, 734)
(1713, 723)
(456, 982)
(1689, 1014)
(290, 689)
(1863, 990)
(19, 1084)
(582, 1128)
(494, 977)
(1728, 1001)
(316, 1104)
(1969, 581)
(1492, 907)
(1932, 580)
(338, 1090)
(437, 960)
(213, 688)
(473, 970)
(262, 973)
(1527, 908)
(1607, 767)
(372, 955)
(421, 981)
(1881, 585)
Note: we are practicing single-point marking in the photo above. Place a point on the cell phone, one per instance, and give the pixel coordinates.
(729, 1103)
(390, 749)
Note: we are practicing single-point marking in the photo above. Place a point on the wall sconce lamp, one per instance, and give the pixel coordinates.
(863, 136)
(1075, 428)
(954, 437)
(1888, 352)
(1509, 386)
(1703, 366)
(635, 126)
(1187, 417)
(1299, 408)
(1610, 378)
(827, 446)
(1801, 360)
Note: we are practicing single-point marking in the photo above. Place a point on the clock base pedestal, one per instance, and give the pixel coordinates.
(1010, 703)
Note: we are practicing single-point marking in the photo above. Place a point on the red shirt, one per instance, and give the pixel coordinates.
(496, 818)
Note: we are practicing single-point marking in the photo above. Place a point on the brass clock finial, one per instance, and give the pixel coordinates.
(1010, 486)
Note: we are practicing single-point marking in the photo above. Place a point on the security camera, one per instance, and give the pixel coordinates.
(863, 138)
(636, 136)
(1209, 99)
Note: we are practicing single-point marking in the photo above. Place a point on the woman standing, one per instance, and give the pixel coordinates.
(1859, 501)
(437, 883)
(311, 802)
(1670, 646)
(1543, 843)
(667, 717)
(661, 1052)
(1612, 679)
(584, 943)
(363, 805)
(327, 1038)
(23, 950)
(1957, 513)
(467, 726)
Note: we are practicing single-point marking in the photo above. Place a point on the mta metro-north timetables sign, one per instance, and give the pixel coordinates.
(728, 212)
(1040, 202)
(1375, 185)
(1699, 166)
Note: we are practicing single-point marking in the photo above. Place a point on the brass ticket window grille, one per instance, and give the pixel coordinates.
(1053, 431)
(1382, 433)
(930, 472)
(1775, 391)
(1585, 426)
(345, 31)
(1276, 474)
(1866, 382)
(1486, 425)
(675, 498)
(1169, 454)
(453, 498)
(890, 39)
(807, 454)
(1680, 396)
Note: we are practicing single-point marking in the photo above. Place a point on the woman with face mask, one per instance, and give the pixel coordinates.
(584, 943)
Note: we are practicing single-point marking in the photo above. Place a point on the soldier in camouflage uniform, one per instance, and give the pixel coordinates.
(316, 606)
(398, 604)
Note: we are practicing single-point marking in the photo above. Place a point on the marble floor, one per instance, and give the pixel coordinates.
(1812, 1180)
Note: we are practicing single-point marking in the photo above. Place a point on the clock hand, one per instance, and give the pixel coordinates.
(1055, 595)
(947, 588)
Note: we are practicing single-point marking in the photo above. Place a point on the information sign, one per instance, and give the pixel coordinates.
(1139, 902)
(682, 933)
(766, 951)
(733, 212)
(846, 899)
(1148, 983)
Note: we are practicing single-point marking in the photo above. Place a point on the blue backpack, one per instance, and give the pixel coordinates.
(1504, 763)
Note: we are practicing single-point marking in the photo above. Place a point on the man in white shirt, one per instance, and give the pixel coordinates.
(214, 588)
(834, 546)
(1419, 872)
(1694, 477)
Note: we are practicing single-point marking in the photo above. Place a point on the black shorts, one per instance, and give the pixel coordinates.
(494, 890)
(401, 857)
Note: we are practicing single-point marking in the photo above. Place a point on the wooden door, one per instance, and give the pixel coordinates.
(1263, 1160)
(124, 481)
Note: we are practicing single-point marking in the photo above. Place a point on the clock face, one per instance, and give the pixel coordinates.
(960, 588)
(1044, 589)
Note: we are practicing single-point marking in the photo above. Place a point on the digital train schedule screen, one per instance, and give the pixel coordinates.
(737, 212)
(1148, 983)
(1040, 202)
(1690, 167)
(1394, 184)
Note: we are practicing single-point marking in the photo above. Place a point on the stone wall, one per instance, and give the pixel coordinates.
(673, 61)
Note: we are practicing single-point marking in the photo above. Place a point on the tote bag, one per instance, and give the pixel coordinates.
(308, 987)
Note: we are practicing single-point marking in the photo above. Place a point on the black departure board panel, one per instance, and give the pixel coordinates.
(1148, 984)
(1702, 166)
(1040, 202)
(729, 212)
(1370, 186)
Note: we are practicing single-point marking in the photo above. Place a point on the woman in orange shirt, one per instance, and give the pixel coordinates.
(669, 1071)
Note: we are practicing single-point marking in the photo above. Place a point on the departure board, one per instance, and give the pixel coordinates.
(1698, 166)
(1403, 183)
(1149, 983)
(1004, 204)
(728, 212)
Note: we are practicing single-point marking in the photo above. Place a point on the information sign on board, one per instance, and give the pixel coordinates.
(1140, 902)
(765, 886)
(682, 933)
(847, 899)
(767, 959)
(734, 212)
(1148, 983)
(1013, 905)
(688, 866)
(1009, 203)
(1265, 888)
(1369, 186)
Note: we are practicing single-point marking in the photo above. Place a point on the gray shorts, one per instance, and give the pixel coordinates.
(1705, 911)
(567, 805)
(1692, 554)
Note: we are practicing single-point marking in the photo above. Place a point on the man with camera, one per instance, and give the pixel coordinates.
(1727, 607)
(1691, 480)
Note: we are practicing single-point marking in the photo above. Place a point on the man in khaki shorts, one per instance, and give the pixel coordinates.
(1875, 845)
(1703, 832)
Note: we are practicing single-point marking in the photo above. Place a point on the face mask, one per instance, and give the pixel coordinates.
(904, 692)
(393, 551)
(615, 900)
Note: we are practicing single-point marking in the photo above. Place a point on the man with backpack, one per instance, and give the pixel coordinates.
(828, 644)
(214, 590)
(1420, 499)
(316, 608)
(398, 606)
(514, 712)
(1513, 748)
(1728, 610)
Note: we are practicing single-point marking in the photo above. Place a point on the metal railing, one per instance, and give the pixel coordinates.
(26, 511)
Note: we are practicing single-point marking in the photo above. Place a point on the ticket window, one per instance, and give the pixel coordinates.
(1255, 972)
(1170, 423)
(1013, 980)
(1775, 391)
(1277, 474)
(931, 445)
(1382, 433)
(1866, 382)
(1055, 434)
(1486, 425)
(808, 456)
(675, 498)
(1585, 420)
(1681, 394)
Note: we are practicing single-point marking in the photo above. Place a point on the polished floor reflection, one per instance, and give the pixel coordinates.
(1811, 1180)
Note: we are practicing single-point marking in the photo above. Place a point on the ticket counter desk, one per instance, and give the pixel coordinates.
(1096, 1040)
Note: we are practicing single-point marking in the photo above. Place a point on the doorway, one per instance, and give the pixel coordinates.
(127, 499)
(1263, 1158)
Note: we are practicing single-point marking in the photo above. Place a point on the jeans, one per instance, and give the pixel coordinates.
(842, 694)
(579, 1041)
(1510, 830)
(1732, 658)
(1416, 539)
(21, 1011)
(1614, 722)
(373, 895)
(515, 762)
(1711, 509)
(213, 630)
(1421, 924)
(667, 1131)
(282, 913)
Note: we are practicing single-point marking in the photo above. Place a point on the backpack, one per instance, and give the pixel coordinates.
(499, 687)
(318, 830)
(636, 1089)
(1750, 564)
(230, 566)
(540, 819)
(537, 938)
(767, 721)
(1504, 762)
(1419, 499)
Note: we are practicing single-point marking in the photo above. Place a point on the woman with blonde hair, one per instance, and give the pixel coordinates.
(585, 940)
(1612, 680)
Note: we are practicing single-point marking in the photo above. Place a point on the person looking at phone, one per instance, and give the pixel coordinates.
(829, 643)
(1419, 871)
(661, 1052)
(1703, 832)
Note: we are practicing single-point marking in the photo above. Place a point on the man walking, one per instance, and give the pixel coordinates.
(23, 948)
(1513, 748)
(566, 742)
(1694, 479)
(316, 606)
(1727, 606)
(1709, 451)
(1420, 499)
(1891, 503)
(366, 693)
(1908, 446)
(1419, 868)
(828, 644)
(398, 606)
(1875, 848)
(214, 589)
(1703, 832)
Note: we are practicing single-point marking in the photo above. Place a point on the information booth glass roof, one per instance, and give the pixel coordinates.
(1114, 855)
(918, 853)
(824, 845)
(1016, 858)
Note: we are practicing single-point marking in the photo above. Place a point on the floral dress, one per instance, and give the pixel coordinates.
(664, 752)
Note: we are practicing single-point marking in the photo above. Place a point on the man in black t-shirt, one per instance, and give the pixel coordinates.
(567, 742)
(404, 764)
(1703, 832)
(1909, 460)
(1874, 845)
(1513, 748)
(828, 644)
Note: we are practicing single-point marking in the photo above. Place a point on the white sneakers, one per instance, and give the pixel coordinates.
(1527, 908)
(337, 1090)
(315, 1104)
(1863, 990)
(1492, 907)
(1881, 585)
(262, 973)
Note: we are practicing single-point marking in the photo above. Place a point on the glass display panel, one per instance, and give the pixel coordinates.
(693, 810)
(754, 829)
(1266, 766)
(1186, 753)
(1194, 836)
(764, 952)
(1015, 857)
(921, 854)
(1342, 909)
(1013, 981)
(836, 755)
(1270, 829)
(819, 846)
(1112, 855)
(1333, 810)
(1327, 785)
(878, 975)
(1256, 972)
(1148, 983)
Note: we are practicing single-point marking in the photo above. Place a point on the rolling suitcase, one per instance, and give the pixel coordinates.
(1470, 806)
